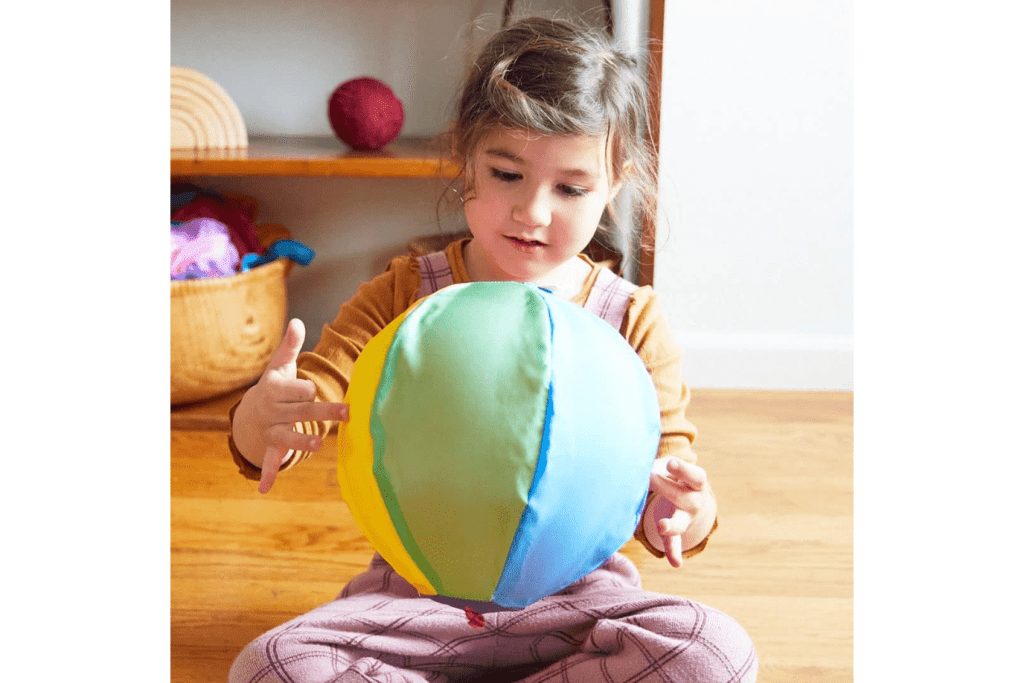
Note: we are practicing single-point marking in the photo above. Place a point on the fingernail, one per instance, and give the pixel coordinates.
(343, 411)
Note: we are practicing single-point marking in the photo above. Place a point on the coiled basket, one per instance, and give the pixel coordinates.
(223, 330)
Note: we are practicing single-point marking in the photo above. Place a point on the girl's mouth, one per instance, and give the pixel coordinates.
(524, 244)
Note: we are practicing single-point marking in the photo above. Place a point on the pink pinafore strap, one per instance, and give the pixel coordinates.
(435, 273)
(609, 299)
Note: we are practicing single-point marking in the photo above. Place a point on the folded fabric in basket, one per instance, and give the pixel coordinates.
(189, 202)
(202, 248)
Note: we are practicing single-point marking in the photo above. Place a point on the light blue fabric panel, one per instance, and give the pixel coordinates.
(602, 436)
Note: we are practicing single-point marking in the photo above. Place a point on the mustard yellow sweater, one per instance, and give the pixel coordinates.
(379, 301)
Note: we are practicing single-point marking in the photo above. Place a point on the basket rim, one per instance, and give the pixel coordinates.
(280, 267)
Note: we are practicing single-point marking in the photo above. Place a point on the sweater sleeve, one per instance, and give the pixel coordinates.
(648, 332)
(329, 365)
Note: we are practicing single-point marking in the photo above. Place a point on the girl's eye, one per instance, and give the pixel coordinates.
(505, 176)
(572, 190)
(511, 176)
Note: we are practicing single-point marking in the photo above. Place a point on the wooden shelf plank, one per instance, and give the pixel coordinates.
(316, 156)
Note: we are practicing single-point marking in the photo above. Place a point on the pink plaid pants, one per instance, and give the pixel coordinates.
(603, 628)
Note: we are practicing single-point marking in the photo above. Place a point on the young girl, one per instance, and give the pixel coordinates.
(549, 127)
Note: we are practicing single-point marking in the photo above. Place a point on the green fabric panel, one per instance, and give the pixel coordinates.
(460, 413)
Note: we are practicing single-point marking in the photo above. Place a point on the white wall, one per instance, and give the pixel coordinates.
(755, 260)
(756, 270)
(281, 59)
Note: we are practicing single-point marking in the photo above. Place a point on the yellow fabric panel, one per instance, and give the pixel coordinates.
(355, 461)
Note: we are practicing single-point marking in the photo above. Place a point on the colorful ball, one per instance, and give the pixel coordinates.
(365, 113)
(500, 444)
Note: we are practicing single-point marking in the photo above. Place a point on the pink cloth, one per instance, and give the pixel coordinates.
(202, 248)
(604, 628)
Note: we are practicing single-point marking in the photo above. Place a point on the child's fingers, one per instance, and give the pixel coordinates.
(680, 495)
(668, 483)
(282, 442)
(676, 525)
(284, 390)
(694, 476)
(288, 350)
(671, 537)
(671, 530)
(664, 521)
(291, 413)
(286, 438)
(663, 485)
(271, 464)
(673, 550)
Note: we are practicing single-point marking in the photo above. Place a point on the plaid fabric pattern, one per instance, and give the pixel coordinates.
(435, 273)
(609, 297)
(602, 629)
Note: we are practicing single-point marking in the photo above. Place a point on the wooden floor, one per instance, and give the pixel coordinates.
(781, 562)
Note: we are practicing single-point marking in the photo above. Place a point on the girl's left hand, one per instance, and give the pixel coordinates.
(683, 509)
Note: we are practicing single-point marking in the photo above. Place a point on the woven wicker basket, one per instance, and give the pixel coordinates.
(224, 329)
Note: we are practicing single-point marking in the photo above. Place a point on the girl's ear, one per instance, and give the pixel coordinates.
(627, 168)
(467, 183)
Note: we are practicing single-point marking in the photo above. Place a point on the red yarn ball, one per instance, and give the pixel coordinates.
(365, 113)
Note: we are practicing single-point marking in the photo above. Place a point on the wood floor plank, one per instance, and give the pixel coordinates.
(781, 563)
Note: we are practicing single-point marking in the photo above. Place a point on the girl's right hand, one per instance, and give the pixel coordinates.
(263, 426)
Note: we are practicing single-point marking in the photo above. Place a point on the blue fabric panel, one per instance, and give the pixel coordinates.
(602, 437)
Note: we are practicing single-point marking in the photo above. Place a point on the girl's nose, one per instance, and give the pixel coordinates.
(532, 209)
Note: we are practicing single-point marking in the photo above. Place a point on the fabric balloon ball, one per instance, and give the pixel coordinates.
(499, 445)
(365, 113)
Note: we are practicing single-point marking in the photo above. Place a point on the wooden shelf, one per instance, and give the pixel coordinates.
(316, 156)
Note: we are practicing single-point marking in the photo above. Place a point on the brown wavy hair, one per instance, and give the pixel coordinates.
(555, 77)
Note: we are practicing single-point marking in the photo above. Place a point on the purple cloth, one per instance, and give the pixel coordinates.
(202, 248)
(603, 628)
(235, 215)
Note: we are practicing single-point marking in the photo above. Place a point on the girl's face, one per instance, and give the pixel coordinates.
(535, 203)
